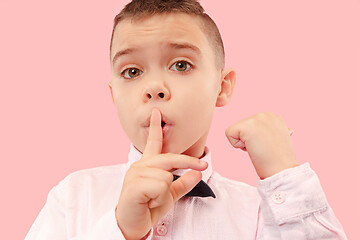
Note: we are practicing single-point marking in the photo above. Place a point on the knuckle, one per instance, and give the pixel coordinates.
(133, 184)
(135, 165)
(132, 170)
(176, 193)
(272, 114)
(182, 184)
(163, 186)
(167, 155)
(129, 173)
(174, 159)
(228, 130)
(169, 177)
(253, 120)
(191, 161)
(170, 155)
(280, 118)
(262, 115)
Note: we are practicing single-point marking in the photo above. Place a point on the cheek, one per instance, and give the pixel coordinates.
(119, 103)
(198, 108)
(123, 104)
(203, 96)
(124, 97)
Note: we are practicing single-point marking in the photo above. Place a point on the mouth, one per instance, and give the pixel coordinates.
(164, 121)
(166, 126)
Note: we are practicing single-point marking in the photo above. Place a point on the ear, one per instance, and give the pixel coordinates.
(228, 78)
(110, 86)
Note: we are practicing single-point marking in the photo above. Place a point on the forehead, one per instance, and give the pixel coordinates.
(157, 30)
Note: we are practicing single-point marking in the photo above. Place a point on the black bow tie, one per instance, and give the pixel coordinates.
(200, 190)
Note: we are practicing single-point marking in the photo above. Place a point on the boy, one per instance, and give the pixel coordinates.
(168, 76)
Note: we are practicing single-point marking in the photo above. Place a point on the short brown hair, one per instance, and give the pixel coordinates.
(138, 9)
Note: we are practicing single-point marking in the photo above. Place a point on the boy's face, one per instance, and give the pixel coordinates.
(165, 61)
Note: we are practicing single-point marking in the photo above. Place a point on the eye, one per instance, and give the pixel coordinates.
(131, 73)
(181, 66)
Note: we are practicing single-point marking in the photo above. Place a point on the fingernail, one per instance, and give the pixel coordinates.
(202, 162)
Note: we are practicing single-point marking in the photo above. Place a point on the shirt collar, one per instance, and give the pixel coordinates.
(135, 155)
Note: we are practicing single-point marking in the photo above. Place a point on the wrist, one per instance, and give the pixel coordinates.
(272, 170)
(126, 234)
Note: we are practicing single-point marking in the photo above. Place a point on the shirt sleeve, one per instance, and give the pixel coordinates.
(51, 222)
(293, 206)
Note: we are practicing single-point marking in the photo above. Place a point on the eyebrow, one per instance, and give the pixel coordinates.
(184, 46)
(173, 45)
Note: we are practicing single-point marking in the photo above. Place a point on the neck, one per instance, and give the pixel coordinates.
(196, 151)
(198, 148)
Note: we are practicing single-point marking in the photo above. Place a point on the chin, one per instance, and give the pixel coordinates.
(186, 150)
(170, 148)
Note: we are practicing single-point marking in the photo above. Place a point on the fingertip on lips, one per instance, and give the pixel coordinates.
(155, 110)
(156, 115)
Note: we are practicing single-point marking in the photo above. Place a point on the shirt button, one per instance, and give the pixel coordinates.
(161, 230)
(278, 197)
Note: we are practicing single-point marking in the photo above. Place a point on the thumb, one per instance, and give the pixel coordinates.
(184, 184)
(233, 135)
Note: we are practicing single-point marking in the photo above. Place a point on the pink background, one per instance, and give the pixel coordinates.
(299, 59)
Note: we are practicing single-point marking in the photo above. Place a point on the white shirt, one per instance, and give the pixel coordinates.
(289, 205)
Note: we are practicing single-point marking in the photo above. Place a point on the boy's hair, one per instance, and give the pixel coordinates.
(139, 9)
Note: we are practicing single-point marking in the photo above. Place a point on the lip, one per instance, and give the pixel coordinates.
(146, 124)
(165, 130)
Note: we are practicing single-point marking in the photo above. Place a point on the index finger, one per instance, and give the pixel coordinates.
(155, 139)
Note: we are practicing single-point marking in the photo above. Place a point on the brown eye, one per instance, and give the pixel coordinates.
(181, 66)
(131, 73)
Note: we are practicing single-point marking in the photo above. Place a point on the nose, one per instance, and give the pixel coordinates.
(156, 92)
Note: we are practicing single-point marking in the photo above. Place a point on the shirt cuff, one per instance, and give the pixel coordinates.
(293, 192)
(107, 228)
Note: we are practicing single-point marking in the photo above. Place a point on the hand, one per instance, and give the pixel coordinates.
(148, 191)
(266, 138)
